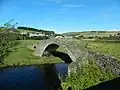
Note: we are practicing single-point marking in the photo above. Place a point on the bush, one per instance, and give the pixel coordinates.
(7, 41)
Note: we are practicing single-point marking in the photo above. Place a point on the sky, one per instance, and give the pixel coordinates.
(62, 15)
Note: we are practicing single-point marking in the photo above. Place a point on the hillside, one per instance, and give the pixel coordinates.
(34, 30)
(92, 33)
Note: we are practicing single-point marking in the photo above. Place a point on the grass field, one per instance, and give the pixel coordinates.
(23, 55)
(92, 34)
(112, 49)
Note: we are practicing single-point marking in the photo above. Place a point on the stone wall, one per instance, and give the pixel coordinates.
(106, 62)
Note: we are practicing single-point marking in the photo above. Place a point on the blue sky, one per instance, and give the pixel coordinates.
(62, 15)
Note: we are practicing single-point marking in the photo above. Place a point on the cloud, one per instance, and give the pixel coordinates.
(72, 5)
(57, 1)
(106, 15)
(39, 3)
(63, 9)
(64, 12)
(111, 8)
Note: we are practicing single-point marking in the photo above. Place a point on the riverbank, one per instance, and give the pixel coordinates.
(90, 75)
(22, 54)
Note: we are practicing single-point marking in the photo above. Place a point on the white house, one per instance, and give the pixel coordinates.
(23, 32)
(36, 34)
(59, 37)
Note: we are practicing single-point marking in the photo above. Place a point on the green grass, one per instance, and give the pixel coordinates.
(23, 55)
(90, 75)
(112, 49)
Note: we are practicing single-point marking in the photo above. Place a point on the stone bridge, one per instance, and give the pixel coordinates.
(76, 52)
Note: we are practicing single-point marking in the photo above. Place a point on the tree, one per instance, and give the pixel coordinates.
(7, 40)
(46, 32)
(8, 24)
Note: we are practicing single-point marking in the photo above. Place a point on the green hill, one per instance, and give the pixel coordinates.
(92, 33)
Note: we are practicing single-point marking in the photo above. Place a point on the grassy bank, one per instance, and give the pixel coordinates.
(90, 75)
(23, 55)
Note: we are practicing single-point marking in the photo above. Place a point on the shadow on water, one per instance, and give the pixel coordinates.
(51, 78)
(65, 57)
(42, 77)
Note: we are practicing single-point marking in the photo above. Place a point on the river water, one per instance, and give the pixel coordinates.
(38, 77)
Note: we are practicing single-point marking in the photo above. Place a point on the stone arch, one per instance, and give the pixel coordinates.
(51, 47)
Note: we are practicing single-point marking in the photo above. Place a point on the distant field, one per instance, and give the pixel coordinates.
(88, 33)
(96, 34)
(23, 55)
(106, 48)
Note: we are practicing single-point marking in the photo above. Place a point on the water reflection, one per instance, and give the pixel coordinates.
(51, 83)
(43, 77)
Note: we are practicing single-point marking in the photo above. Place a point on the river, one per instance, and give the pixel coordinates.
(37, 77)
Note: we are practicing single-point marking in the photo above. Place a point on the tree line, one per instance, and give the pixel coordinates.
(37, 30)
